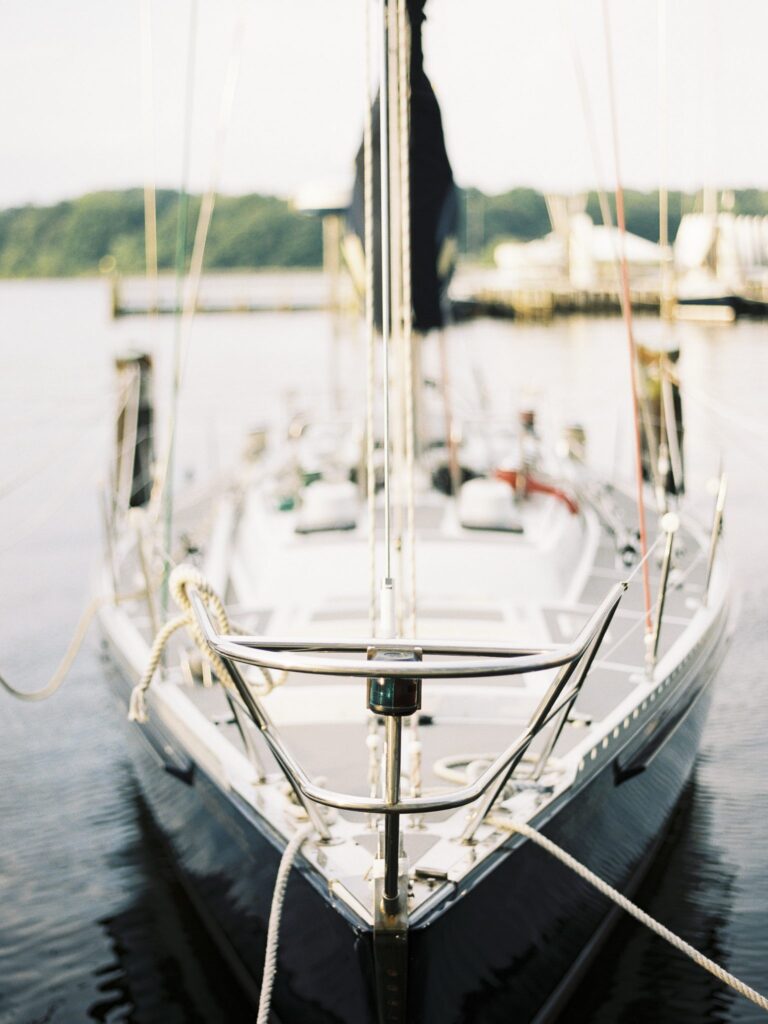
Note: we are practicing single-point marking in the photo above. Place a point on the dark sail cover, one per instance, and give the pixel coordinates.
(434, 202)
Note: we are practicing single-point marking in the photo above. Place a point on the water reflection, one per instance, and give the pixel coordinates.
(638, 977)
(165, 968)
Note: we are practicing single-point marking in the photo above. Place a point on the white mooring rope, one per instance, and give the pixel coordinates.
(631, 908)
(58, 677)
(273, 929)
(81, 631)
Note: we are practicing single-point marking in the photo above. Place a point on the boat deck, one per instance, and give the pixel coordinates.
(463, 724)
(325, 722)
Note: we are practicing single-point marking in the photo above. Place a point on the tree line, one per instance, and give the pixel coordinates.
(73, 237)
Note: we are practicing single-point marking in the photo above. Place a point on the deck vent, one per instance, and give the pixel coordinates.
(488, 505)
(328, 506)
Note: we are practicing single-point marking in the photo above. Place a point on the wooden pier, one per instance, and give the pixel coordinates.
(544, 303)
(264, 292)
(473, 295)
(120, 309)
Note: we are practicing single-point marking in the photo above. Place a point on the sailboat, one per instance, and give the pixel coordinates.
(400, 650)
(720, 262)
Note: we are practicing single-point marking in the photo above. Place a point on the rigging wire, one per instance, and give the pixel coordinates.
(589, 121)
(226, 108)
(663, 156)
(605, 212)
(744, 423)
(53, 457)
(370, 336)
(407, 299)
(385, 271)
(397, 376)
(165, 494)
(187, 297)
(408, 353)
(627, 311)
(77, 475)
(150, 177)
(454, 469)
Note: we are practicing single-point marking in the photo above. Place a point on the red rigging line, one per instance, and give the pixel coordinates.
(627, 315)
(532, 485)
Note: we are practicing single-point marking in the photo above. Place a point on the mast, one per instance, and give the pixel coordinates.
(391, 699)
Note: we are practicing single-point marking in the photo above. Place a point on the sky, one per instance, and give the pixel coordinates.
(72, 117)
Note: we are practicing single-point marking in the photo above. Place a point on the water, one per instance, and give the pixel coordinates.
(93, 925)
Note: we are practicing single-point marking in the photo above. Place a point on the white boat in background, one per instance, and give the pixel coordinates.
(403, 637)
(721, 261)
(578, 253)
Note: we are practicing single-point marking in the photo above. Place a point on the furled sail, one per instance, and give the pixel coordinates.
(434, 202)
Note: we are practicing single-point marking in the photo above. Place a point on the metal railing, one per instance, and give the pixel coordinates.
(468, 660)
(394, 671)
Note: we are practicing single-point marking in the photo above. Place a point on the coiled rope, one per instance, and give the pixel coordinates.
(183, 577)
(273, 930)
(631, 908)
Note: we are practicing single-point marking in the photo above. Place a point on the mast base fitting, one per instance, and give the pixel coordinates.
(397, 697)
(390, 905)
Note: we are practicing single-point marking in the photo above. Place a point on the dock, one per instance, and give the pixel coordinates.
(120, 309)
(475, 292)
(268, 291)
(544, 303)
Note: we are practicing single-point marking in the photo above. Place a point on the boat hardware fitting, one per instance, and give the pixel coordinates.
(669, 524)
(717, 529)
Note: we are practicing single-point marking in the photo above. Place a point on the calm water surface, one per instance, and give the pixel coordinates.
(93, 925)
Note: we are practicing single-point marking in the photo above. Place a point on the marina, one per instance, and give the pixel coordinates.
(411, 648)
(715, 270)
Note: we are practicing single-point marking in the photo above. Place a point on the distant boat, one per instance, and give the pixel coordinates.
(721, 260)
(579, 253)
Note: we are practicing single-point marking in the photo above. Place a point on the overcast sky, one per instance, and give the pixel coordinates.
(71, 112)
